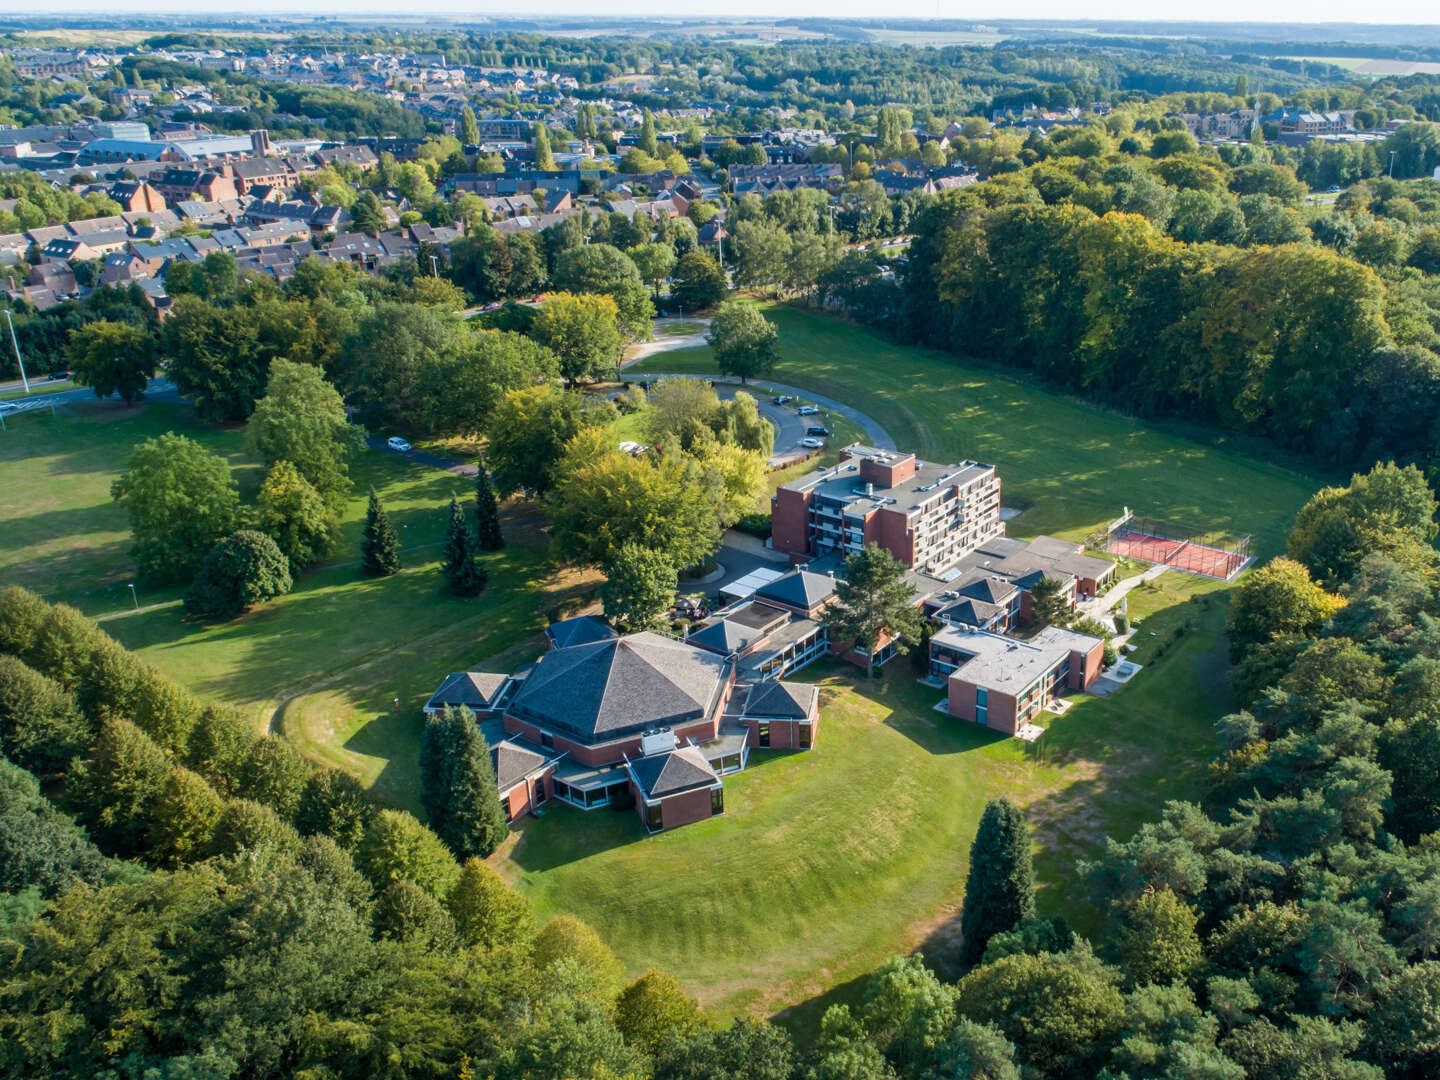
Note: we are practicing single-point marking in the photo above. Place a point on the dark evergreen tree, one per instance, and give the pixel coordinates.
(380, 547)
(463, 575)
(487, 514)
(457, 785)
(1000, 890)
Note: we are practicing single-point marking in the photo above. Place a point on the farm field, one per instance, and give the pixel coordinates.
(824, 862)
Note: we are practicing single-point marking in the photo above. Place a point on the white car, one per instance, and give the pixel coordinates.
(629, 447)
(812, 444)
(395, 442)
(808, 410)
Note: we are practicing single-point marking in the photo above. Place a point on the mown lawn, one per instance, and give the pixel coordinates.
(825, 862)
(60, 532)
(1070, 465)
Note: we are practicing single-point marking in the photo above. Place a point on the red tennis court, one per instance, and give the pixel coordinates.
(1182, 554)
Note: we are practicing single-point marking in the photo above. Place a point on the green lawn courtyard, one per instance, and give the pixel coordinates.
(823, 862)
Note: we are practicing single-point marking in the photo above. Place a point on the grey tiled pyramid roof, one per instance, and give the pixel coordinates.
(473, 689)
(672, 772)
(580, 630)
(620, 688)
(990, 590)
(799, 588)
(725, 637)
(781, 699)
(512, 762)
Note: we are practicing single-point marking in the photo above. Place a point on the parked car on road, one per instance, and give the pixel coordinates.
(808, 410)
(781, 399)
(818, 431)
(812, 443)
(396, 443)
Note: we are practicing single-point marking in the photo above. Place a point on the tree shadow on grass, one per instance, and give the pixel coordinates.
(802, 1020)
(906, 704)
(565, 834)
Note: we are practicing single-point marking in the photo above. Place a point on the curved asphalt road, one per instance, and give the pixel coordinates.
(877, 435)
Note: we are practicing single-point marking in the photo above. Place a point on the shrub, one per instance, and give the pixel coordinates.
(243, 570)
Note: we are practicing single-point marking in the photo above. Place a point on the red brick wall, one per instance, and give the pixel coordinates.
(610, 753)
(960, 699)
(784, 734)
(1092, 661)
(872, 472)
(684, 809)
(790, 521)
(889, 529)
(520, 800)
(1000, 713)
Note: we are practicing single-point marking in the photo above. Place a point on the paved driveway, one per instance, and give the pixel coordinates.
(876, 435)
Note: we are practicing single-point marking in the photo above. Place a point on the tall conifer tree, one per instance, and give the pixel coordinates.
(458, 785)
(1000, 891)
(463, 575)
(487, 514)
(380, 548)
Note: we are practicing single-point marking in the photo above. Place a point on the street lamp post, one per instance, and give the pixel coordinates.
(134, 598)
(1391, 174)
(15, 343)
(434, 267)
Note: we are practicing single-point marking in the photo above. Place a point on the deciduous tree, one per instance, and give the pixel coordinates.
(583, 331)
(181, 500)
(241, 571)
(639, 587)
(302, 420)
(488, 913)
(296, 517)
(112, 358)
(653, 1010)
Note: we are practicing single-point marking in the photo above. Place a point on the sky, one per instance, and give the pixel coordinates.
(1308, 11)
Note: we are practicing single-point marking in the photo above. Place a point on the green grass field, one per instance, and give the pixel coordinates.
(824, 862)
(1070, 465)
(827, 861)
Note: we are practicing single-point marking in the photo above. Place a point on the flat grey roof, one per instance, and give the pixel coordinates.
(730, 740)
(1007, 664)
(780, 640)
(843, 482)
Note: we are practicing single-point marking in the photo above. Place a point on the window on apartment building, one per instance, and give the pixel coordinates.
(717, 800)
(763, 732)
(653, 819)
(805, 736)
(547, 740)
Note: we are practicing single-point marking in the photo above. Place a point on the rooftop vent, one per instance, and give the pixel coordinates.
(659, 741)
